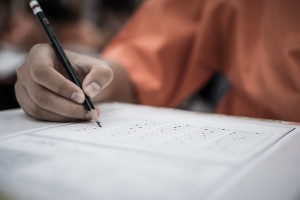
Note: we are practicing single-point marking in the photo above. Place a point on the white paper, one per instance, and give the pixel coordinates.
(10, 61)
(139, 153)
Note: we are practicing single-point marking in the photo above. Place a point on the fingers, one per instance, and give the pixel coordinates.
(96, 73)
(32, 109)
(55, 103)
(97, 79)
(44, 93)
(48, 100)
(50, 78)
(61, 85)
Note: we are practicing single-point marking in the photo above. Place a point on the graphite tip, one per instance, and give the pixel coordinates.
(99, 124)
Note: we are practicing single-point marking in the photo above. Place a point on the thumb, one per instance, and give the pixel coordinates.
(97, 79)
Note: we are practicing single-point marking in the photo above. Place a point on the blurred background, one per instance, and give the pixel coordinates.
(84, 26)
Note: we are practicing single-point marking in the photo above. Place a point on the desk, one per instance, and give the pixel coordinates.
(143, 152)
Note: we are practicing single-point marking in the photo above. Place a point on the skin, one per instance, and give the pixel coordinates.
(44, 92)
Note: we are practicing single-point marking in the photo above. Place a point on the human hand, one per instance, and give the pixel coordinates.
(44, 92)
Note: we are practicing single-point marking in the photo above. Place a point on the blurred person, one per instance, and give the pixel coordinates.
(81, 33)
(170, 49)
(22, 31)
(65, 18)
(104, 18)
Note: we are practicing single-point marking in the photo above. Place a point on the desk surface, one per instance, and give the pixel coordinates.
(182, 155)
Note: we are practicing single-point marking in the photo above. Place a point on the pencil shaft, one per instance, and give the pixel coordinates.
(60, 53)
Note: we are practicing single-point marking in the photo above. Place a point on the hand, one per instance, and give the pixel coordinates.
(44, 92)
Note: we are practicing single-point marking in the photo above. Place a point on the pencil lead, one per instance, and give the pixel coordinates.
(99, 124)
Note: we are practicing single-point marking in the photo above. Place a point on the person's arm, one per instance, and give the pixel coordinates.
(44, 92)
(168, 50)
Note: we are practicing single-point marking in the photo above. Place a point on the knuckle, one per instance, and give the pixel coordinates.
(37, 73)
(108, 73)
(35, 48)
(38, 47)
(107, 77)
(40, 98)
(62, 88)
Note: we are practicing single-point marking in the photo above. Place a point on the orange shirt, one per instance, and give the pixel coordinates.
(170, 48)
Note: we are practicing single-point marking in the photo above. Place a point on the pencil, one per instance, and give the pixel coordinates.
(38, 12)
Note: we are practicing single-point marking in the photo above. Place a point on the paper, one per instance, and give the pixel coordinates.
(10, 61)
(139, 153)
(15, 121)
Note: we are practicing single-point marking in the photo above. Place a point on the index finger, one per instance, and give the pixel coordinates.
(43, 72)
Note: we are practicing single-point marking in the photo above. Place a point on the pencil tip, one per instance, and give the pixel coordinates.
(94, 115)
(99, 124)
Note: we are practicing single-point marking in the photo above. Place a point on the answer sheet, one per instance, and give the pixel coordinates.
(140, 152)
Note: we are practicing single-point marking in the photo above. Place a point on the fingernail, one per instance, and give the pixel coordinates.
(92, 89)
(78, 97)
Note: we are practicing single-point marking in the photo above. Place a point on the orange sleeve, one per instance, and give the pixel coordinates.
(263, 60)
(170, 48)
(158, 48)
